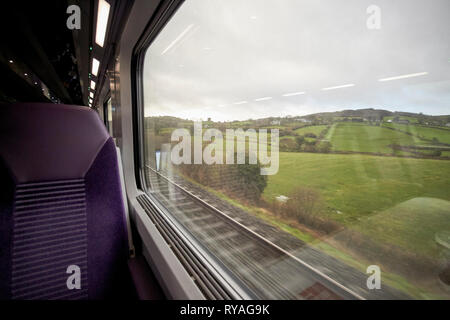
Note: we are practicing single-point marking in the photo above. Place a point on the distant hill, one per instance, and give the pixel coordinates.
(379, 114)
(363, 113)
(369, 114)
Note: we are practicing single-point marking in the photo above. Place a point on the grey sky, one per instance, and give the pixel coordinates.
(214, 53)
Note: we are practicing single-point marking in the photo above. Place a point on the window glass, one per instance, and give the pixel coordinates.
(109, 116)
(306, 144)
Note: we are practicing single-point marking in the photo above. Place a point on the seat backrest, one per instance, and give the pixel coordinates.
(61, 208)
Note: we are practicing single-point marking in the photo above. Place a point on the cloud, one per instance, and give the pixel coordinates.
(236, 50)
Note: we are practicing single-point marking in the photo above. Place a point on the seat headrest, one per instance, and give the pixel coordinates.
(47, 142)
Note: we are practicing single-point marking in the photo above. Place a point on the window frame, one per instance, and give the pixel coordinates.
(165, 11)
(106, 112)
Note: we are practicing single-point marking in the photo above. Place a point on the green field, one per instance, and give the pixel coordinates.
(386, 209)
(359, 185)
(410, 119)
(391, 204)
(363, 138)
(382, 202)
(166, 131)
(411, 225)
(443, 135)
(311, 129)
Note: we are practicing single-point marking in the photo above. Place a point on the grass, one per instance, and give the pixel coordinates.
(410, 119)
(443, 135)
(311, 129)
(287, 137)
(166, 131)
(411, 225)
(391, 200)
(358, 185)
(357, 137)
(330, 132)
(390, 279)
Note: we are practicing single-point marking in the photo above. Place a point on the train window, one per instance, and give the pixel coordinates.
(306, 144)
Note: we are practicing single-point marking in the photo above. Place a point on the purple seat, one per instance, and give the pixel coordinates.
(60, 205)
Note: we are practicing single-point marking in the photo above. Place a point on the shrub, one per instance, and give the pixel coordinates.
(310, 135)
(288, 144)
(309, 147)
(324, 147)
(303, 202)
(300, 140)
(252, 182)
(436, 153)
(240, 181)
(286, 132)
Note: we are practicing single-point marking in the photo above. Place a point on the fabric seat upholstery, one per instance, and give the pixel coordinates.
(60, 205)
